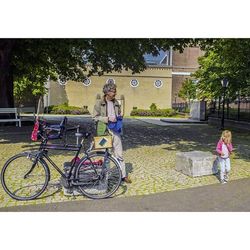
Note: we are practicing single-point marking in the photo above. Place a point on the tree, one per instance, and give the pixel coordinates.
(27, 91)
(188, 90)
(72, 59)
(224, 58)
(6, 73)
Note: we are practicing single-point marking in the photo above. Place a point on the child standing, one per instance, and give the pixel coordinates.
(224, 149)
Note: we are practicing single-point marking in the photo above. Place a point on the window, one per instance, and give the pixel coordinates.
(86, 82)
(158, 83)
(164, 60)
(62, 81)
(110, 80)
(134, 83)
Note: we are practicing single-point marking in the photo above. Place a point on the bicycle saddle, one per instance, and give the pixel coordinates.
(85, 135)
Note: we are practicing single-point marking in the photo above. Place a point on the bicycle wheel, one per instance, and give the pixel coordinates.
(97, 176)
(24, 178)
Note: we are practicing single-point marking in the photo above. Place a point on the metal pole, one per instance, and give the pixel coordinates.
(227, 108)
(238, 114)
(219, 106)
(223, 106)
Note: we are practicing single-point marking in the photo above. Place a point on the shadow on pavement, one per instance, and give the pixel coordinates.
(138, 133)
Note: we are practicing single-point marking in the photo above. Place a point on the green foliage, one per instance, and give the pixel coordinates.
(71, 58)
(74, 59)
(186, 110)
(66, 104)
(66, 109)
(224, 58)
(153, 107)
(25, 90)
(188, 90)
(158, 112)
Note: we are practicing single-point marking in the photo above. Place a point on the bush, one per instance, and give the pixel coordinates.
(153, 107)
(186, 110)
(65, 109)
(158, 112)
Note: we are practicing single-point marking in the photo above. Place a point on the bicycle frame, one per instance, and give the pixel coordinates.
(43, 153)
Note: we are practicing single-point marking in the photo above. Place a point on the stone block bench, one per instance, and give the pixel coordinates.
(196, 163)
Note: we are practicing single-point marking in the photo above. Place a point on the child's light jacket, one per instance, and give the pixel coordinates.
(219, 147)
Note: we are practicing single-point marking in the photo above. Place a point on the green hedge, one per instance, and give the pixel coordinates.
(65, 109)
(148, 112)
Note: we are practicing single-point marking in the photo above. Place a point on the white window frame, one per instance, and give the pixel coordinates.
(156, 85)
(110, 79)
(132, 84)
(61, 82)
(87, 85)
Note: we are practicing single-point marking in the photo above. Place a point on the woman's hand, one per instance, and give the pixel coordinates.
(112, 119)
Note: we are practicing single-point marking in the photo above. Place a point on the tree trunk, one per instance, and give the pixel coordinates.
(6, 74)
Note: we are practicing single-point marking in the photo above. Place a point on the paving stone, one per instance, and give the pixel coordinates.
(149, 152)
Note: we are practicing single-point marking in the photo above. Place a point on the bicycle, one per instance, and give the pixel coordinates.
(97, 174)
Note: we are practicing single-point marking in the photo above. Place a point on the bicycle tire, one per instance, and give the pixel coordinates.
(17, 162)
(89, 179)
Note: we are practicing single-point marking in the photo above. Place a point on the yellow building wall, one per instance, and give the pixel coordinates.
(76, 94)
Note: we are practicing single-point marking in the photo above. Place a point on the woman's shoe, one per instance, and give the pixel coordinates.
(126, 179)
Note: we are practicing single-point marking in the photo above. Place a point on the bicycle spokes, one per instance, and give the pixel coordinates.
(99, 180)
(23, 178)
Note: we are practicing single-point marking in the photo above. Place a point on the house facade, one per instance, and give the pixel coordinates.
(158, 84)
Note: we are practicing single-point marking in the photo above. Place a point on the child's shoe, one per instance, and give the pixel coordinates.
(226, 178)
(223, 182)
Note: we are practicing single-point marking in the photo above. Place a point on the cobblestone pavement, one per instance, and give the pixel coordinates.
(149, 151)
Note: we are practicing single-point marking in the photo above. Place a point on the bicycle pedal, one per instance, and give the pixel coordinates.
(67, 191)
(64, 182)
(66, 166)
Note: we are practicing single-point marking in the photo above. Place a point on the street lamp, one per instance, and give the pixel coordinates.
(224, 83)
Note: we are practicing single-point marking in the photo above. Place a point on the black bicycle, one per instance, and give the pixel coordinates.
(97, 174)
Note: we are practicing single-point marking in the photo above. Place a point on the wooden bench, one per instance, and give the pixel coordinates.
(11, 111)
